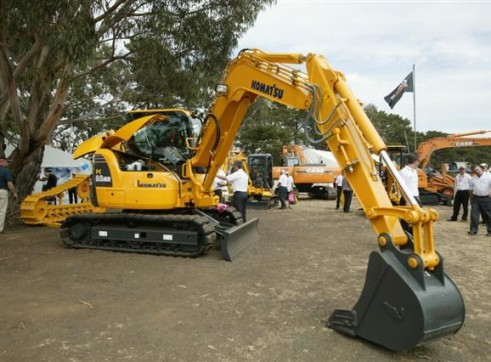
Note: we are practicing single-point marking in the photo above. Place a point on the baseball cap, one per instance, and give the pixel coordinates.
(484, 165)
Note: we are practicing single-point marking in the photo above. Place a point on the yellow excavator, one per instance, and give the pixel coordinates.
(164, 202)
(259, 168)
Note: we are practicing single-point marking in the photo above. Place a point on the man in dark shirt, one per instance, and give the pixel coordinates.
(51, 181)
(6, 184)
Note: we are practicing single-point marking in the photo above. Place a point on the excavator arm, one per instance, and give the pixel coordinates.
(426, 148)
(407, 299)
(340, 121)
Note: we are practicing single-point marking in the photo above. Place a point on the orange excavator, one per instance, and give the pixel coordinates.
(437, 187)
(315, 178)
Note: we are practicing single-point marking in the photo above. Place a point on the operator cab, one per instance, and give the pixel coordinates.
(165, 142)
(261, 170)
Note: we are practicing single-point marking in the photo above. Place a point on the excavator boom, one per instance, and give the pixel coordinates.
(406, 265)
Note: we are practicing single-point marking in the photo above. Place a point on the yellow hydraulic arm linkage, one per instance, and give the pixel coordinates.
(407, 299)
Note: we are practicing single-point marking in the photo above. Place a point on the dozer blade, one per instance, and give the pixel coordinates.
(401, 308)
(235, 239)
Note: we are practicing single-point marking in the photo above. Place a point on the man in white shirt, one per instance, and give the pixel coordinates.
(282, 188)
(462, 192)
(240, 182)
(219, 184)
(339, 189)
(409, 175)
(480, 200)
(289, 187)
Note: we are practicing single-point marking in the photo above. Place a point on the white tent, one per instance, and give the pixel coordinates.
(61, 163)
(318, 156)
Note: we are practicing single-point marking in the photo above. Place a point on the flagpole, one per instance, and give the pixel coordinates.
(414, 105)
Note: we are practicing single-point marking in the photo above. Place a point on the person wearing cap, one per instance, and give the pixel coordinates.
(480, 200)
(462, 193)
(282, 188)
(6, 184)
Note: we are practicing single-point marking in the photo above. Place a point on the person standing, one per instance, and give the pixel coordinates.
(240, 181)
(282, 189)
(409, 175)
(347, 193)
(72, 194)
(50, 178)
(219, 184)
(485, 170)
(6, 184)
(51, 181)
(484, 167)
(338, 181)
(289, 189)
(480, 200)
(462, 192)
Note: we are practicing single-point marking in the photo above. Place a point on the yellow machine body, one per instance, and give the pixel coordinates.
(168, 201)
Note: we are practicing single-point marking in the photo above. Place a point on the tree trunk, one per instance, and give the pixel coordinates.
(25, 171)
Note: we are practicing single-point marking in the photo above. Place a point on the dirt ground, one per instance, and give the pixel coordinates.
(270, 304)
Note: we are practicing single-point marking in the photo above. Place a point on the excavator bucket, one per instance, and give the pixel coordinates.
(401, 308)
(235, 239)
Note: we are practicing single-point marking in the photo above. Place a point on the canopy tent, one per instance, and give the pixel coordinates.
(60, 162)
(317, 156)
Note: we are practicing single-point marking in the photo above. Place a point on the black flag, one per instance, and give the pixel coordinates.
(405, 86)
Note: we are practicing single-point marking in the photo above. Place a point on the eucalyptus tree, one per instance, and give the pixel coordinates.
(50, 50)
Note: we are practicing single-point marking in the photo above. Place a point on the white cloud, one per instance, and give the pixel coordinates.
(376, 43)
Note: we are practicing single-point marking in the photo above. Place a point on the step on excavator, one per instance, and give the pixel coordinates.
(166, 203)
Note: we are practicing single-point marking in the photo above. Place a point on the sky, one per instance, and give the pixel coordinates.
(377, 43)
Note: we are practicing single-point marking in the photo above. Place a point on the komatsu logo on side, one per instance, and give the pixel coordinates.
(157, 185)
(272, 90)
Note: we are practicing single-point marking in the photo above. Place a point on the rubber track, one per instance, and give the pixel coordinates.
(206, 233)
(35, 209)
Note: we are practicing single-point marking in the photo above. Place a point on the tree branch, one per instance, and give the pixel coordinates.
(103, 64)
